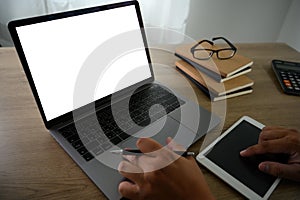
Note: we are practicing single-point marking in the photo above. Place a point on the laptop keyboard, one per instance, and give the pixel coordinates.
(95, 134)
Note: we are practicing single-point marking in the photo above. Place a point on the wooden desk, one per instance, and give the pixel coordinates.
(34, 166)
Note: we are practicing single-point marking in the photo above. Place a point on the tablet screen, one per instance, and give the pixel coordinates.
(226, 154)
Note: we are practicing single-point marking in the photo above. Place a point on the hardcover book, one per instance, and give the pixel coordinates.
(216, 91)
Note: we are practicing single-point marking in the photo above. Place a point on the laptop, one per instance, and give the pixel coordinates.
(91, 76)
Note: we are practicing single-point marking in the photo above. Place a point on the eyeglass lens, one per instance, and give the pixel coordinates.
(203, 54)
(225, 53)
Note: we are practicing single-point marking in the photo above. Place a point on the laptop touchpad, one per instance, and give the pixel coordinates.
(161, 130)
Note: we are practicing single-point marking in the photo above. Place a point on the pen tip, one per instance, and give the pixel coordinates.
(116, 151)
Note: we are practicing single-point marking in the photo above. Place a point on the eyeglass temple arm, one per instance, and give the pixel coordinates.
(229, 43)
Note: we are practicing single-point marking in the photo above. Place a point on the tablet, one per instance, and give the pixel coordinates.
(222, 157)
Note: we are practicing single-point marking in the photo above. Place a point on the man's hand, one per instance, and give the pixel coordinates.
(278, 140)
(162, 174)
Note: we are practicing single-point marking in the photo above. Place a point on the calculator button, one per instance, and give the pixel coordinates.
(296, 88)
(290, 88)
(287, 83)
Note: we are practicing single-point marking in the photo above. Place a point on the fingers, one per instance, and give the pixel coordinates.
(129, 190)
(251, 151)
(156, 157)
(271, 140)
(131, 171)
(153, 158)
(148, 145)
(271, 146)
(172, 145)
(272, 133)
(289, 171)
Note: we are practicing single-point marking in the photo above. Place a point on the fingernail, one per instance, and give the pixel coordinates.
(243, 152)
(264, 167)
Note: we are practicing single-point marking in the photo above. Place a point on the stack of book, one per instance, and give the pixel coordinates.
(218, 79)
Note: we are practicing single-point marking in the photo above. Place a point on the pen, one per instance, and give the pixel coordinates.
(137, 152)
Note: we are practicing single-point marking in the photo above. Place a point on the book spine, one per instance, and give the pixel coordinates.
(217, 77)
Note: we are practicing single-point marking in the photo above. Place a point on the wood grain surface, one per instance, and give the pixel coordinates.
(34, 166)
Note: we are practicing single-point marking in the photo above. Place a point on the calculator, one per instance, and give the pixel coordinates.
(288, 75)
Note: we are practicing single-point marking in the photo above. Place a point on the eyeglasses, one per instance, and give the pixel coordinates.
(201, 53)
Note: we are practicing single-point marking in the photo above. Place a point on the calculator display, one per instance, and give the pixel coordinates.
(288, 67)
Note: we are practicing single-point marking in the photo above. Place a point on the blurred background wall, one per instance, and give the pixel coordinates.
(239, 20)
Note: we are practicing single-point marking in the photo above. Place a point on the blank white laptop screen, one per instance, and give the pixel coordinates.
(56, 51)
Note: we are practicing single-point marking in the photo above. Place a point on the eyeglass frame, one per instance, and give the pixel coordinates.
(232, 47)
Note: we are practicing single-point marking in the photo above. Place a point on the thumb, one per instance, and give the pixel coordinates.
(288, 171)
(129, 190)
